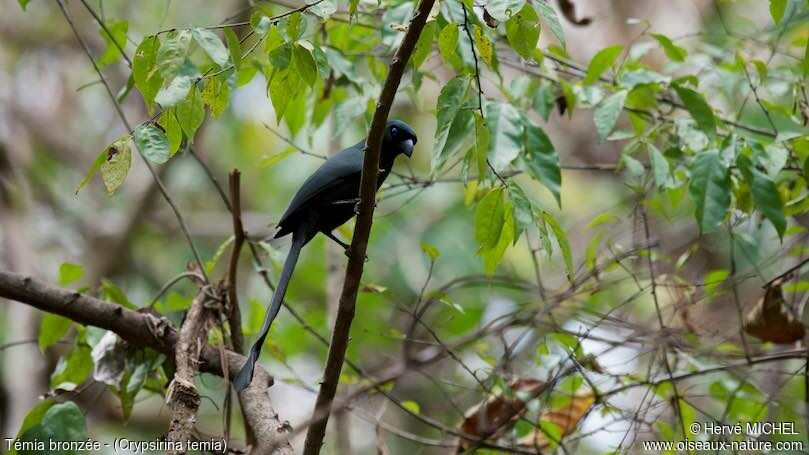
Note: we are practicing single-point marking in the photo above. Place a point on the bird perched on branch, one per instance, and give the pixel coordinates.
(325, 201)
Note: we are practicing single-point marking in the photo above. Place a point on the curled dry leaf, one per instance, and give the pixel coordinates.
(569, 11)
(493, 417)
(489, 20)
(565, 418)
(770, 320)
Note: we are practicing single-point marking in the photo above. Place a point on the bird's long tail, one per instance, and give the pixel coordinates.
(245, 375)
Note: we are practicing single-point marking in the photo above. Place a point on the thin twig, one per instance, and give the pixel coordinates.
(650, 264)
(107, 31)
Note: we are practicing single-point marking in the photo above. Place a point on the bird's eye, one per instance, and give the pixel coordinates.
(394, 132)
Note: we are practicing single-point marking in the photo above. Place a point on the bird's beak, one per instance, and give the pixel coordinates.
(407, 147)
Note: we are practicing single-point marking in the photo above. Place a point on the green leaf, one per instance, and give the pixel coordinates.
(33, 418)
(63, 422)
(74, 369)
(449, 104)
(607, 112)
(209, 265)
(260, 23)
(294, 26)
(172, 53)
(505, 134)
(777, 8)
(561, 240)
(70, 273)
(673, 51)
(541, 159)
(234, 47)
(114, 294)
(522, 31)
(281, 56)
(544, 100)
(123, 92)
(191, 113)
(147, 79)
(805, 62)
(212, 45)
(178, 88)
(118, 29)
(713, 282)
(484, 46)
(284, 87)
(216, 95)
(323, 9)
(765, 193)
(489, 219)
(660, 167)
(549, 14)
(118, 159)
(174, 133)
(411, 406)
(600, 62)
(152, 142)
(52, 328)
(424, 45)
(523, 209)
(448, 46)
(492, 256)
(632, 79)
(502, 10)
(93, 169)
(305, 64)
(710, 190)
(23, 3)
(430, 250)
(699, 109)
(481, 148)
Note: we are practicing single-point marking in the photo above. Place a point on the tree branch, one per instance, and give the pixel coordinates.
(183, 397)
(144, 329)
(232, 308)
(359, 243)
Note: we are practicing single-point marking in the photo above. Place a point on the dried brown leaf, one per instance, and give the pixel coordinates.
(493, 417)
(771, 320)
(489, 20)
(569, 11)
(566, 418)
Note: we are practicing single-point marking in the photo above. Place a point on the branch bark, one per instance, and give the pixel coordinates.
(233, 313)
(183, 396)
(147, 330)
(362, 230)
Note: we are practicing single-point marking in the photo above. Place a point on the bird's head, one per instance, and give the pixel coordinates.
(399, 138)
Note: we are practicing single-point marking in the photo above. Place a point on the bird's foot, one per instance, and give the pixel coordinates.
(348, 254)
(357, 206)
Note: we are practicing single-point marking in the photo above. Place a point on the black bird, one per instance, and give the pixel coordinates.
(327, 199)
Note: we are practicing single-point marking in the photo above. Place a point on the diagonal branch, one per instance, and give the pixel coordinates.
(183, 397)
(144, 329)
(359, 243)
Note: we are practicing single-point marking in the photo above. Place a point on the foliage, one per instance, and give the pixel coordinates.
(708, 142)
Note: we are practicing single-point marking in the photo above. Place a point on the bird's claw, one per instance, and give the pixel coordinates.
(348, 254)
(357, 206)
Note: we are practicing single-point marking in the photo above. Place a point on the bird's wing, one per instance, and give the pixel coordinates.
(342, 166)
